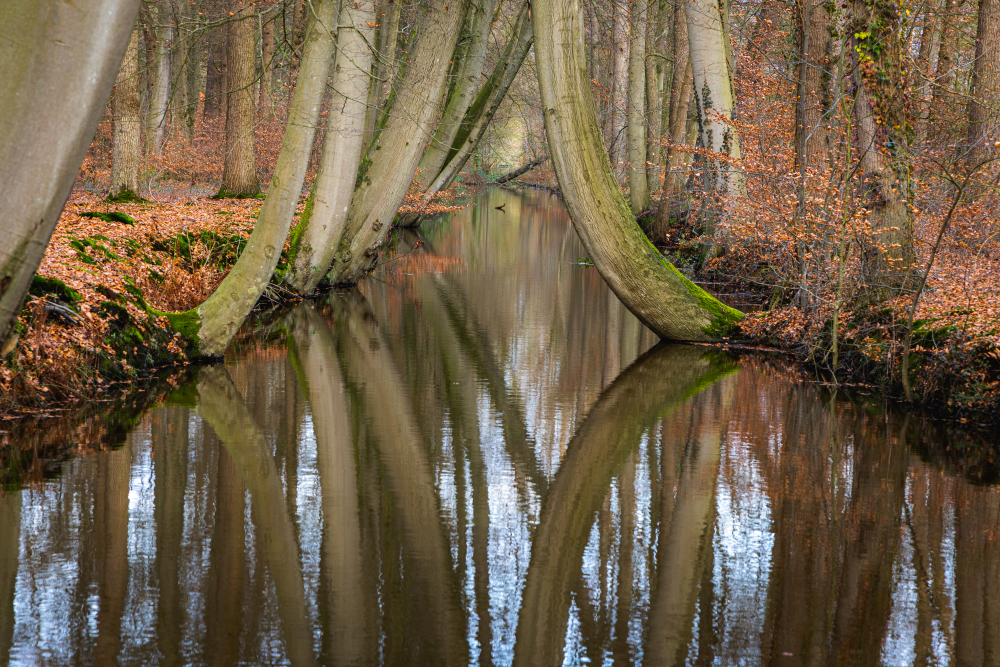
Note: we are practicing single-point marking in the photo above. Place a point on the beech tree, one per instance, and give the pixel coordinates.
(648, 285)
(239, 175)
(163, 33)
(127, 138)
(637, 107)
(60, 63)
(985, 87)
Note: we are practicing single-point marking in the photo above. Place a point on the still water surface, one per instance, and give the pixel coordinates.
(482, 458)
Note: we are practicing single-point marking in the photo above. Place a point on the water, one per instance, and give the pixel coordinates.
(482, 458)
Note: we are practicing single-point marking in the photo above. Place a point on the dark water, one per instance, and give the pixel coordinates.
(482, 458)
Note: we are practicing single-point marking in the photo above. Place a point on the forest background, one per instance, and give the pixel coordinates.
(837, 176)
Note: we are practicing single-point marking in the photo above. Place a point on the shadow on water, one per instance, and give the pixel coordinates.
(482, 458)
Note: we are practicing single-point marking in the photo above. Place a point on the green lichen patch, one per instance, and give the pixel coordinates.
(126, 196)
(42, 287)
(110, 216)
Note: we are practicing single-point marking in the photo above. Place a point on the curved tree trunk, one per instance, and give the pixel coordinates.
(239, 172)
(315, 238)
(460, 101)
(59, 63)
(126, 150)
(212, 325)
(392, 159)
(647, 284)
(638, 195)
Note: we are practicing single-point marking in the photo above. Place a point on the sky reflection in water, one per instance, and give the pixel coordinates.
(482, 458)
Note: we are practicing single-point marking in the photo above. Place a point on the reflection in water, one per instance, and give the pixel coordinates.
(484, 460)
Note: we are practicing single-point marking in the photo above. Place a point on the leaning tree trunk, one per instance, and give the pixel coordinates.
(212, 325)
(638, 194)
(468, 70)
(882, 123)
(59, 63)
(712, 71)
(163, 31)
(127, 137)
(647, 284)
(239, 172)
(619, 85)
(315, 238)
(386, 67)
(984, 98)
(485, 106)
(392, 159)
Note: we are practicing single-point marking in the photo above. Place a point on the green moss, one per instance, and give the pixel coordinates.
(112, 216)
(295, 240)
(184, 396)
(226, 194)
(42, 287)
(723, 317)
(126, 197)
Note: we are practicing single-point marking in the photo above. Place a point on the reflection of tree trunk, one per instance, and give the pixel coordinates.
(627, 504)
(369, 366)
(351, 605)
(656, 382)
(111, 534)
(170, 461)
(686, 545)
(10, 545)
(223, 604)
(977, 576)
(222, 407)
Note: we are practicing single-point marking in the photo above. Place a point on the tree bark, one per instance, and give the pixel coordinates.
(647, 284)
(714, 97)
(212, 325)
(239, 172)
(59, 63)
(619, 93)
(812, 103)
(163, 31)
(638, 195)
(881, 123)
(127, 137)
(656, 41)
(469, 70)
(215, 74)
(927, 58)
(985, 88)
(392, 159)
(386, 67)
(316, 237)
(267, 61)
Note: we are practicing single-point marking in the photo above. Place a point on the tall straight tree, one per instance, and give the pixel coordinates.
(638, 194)
(984, 102)
(714, 97)
(656, 41)
(212, 325)
(648, 285)
(619, 85)
(812, 103)
(127, 117)
(163, 33)
(882, 122)
(59, 63)
(392, 159)
(239, 173)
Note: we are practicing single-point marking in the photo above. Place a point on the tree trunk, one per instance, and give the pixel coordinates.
(316, 237)
(267, 61)
(469, 70)
(189, 72)
(620, 47)
(985, 88)
(163, 30)
(215, 74)
(239, 173)
(59, 63)
(647, 284)
(485, 106)
(712, 71)
(126, 151)
(881, 123)
(945, 72)
(212, 325)
(813, 103)
(930, 43)
(386, 68)
(392, 159)
(656, 41)
(638, 195)
(680, 95)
